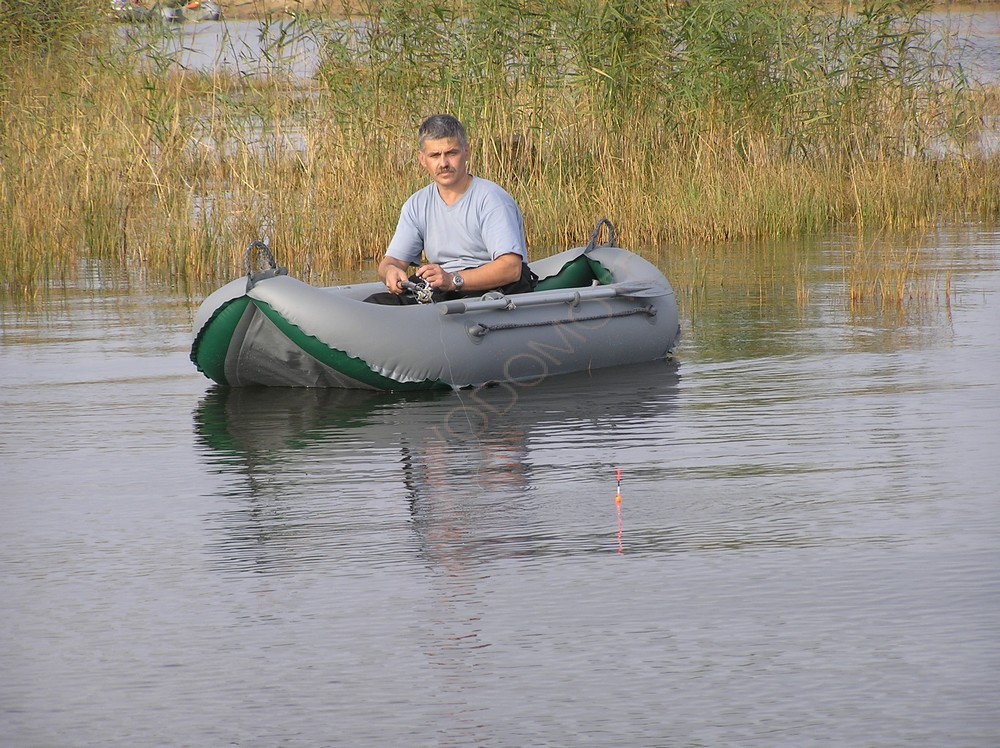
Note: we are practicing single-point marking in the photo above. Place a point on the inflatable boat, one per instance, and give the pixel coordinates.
(594, 307)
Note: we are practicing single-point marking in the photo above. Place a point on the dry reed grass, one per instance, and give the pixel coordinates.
(123, 157)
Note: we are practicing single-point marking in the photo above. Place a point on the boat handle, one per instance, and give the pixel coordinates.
(264, 253)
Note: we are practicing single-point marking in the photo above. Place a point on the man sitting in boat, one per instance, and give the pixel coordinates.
(469, 228)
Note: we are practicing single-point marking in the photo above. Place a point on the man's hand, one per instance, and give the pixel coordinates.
(393, 274)
(436, 276)
(394, 280)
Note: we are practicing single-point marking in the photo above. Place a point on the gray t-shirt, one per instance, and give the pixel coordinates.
(484, 224)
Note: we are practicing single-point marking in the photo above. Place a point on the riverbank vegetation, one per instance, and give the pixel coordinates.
(686, 124)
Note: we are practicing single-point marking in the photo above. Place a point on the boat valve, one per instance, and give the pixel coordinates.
(477, 331)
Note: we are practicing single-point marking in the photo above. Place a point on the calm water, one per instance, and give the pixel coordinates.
(807, 551)
(253, 48)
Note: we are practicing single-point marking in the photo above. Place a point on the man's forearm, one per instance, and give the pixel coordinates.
(390, 262)
(501, 271)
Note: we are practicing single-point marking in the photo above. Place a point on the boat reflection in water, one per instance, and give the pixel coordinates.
(449, 476)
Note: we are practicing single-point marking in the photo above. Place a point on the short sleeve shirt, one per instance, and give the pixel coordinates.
(484, 224)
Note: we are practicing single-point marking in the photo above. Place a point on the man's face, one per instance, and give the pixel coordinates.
(446, 161)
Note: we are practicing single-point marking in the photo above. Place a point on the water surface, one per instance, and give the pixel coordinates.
(290, 46)
(806, 550)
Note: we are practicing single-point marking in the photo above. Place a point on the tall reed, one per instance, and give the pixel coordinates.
(684, 123)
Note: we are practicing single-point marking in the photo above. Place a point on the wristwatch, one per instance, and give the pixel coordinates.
(458, 280)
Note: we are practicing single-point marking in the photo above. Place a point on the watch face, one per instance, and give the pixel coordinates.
(458, 280)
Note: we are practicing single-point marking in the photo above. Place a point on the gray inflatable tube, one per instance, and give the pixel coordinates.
(594, 307)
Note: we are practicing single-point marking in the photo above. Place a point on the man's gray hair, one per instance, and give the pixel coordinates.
(439, 127)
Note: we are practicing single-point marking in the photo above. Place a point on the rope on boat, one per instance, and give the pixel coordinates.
(263, 253)
(480, 329)
(612, 239)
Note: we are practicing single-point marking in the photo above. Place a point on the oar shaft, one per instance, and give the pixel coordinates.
(571, 296)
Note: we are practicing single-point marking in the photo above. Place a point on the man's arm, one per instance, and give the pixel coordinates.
(393, 273)
(501, 271)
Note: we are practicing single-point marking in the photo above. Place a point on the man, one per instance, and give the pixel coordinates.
(470, 230)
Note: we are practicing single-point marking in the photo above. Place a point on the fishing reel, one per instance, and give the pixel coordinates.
(420, 289)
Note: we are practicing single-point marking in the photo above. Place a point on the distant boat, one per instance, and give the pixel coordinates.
(129, 10)
(172, 12)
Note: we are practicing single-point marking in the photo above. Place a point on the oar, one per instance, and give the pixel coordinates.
(572, 296)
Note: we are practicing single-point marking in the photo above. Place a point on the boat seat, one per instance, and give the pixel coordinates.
(580, 272)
